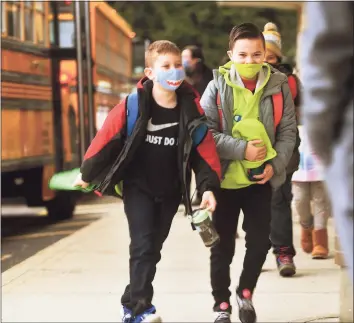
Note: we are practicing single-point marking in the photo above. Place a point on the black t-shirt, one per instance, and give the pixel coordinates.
(155, 166)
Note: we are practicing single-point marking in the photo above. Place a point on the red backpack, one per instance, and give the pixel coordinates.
(278, 104)
(292, 86)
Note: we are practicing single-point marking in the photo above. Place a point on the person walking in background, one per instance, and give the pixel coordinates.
(254, 148)
(198, 73)
(327, 72)
(282, 222)
(311, 201)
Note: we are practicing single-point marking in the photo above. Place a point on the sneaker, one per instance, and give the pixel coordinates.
(222, 313)
(126, 314)
(148, 316)
(222, 317)
(285, 263)
(246, 312)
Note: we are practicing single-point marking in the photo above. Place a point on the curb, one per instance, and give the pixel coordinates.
(324, 318)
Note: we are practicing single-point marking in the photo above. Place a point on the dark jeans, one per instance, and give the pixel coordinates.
(255, 202)
(282, 222)
(149, 221)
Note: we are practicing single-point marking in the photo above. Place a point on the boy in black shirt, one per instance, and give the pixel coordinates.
(169, 138)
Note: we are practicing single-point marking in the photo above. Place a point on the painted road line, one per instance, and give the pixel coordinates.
(72, 223)
(21, 211)
(87, 209)
(40, 235)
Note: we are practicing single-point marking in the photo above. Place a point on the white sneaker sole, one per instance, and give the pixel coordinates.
(153, 318)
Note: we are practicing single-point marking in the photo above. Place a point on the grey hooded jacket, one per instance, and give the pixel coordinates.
(230, 148)
(326, 62)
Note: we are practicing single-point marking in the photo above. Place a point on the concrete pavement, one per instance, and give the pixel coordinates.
(81, 278)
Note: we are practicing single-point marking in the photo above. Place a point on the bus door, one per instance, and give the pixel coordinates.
(72, 81)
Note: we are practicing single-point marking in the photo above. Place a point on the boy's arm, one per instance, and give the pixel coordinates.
(285, 137)
(228, 147)
(106, 145)
(205, 160)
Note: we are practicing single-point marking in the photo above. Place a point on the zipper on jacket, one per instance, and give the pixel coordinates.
(186, 153)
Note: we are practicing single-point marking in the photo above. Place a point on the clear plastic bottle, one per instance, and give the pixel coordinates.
(201, 219)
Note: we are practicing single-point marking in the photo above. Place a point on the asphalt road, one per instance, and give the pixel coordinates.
(26, 231)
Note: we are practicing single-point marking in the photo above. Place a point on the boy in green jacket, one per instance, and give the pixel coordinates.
(254, 144)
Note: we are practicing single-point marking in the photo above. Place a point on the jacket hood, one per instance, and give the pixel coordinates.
(233, 79)
(225, 68)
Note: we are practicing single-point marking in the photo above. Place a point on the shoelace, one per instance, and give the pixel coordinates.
(128, 319)
(283, 255)
(285, 259)
(246, 300)
(247, 304)
(223, 315)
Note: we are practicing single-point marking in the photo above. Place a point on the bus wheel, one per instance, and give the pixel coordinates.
(62, 207)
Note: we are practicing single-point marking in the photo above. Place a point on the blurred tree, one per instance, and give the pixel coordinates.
(203, 23)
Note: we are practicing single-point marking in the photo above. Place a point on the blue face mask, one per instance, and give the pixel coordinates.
(170, 79)
(185, 64)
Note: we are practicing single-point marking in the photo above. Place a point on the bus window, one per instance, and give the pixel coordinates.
(40, 29)
(66, 34)
(66, 25)
(29, 21)
(14, 19)
(3, 17)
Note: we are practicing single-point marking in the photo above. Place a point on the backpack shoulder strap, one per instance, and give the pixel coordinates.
(132, 112)
(278, 106)
(218, 104)
(293, 86)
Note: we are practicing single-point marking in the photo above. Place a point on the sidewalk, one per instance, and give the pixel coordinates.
(81, 278)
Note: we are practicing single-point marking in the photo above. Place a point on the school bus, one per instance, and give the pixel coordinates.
(65, 64)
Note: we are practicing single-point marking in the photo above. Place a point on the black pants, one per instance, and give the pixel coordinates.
(255, 202)
(149, 220)
(282, 222)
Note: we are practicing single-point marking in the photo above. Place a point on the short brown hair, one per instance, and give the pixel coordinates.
(160, 47)
(245, 31)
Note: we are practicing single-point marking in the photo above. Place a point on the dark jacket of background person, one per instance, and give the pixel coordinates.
(287, 69)
(200, 75)
(327, 74)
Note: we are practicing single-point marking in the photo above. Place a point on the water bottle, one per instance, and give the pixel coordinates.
(201, 219)
(255, 171)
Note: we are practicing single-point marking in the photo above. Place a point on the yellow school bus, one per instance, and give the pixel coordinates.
(55, 86)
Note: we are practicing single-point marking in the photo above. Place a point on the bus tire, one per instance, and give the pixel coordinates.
(62, 206)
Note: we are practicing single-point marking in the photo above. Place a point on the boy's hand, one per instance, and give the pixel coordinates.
(254, 152)
(266, 176)
(208, 201)
(79, 182)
